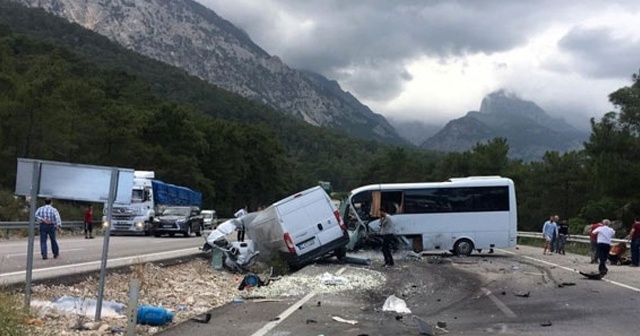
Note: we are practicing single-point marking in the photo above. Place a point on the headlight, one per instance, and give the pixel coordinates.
(155, 220)
(105, 224)
(139, 224)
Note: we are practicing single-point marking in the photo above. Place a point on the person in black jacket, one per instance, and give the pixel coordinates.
(563, 234)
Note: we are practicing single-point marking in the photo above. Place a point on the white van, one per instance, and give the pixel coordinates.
(210, 218)
(303, 227)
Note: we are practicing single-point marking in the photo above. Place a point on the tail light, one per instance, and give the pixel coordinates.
(339, 218)
(289, 242)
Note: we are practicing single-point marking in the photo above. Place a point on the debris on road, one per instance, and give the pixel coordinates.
(393, 303)
(423, 327)
(330, 279)
(340, 319)
(546, 324)
(525, 295)
(204, 318)
(593, 275)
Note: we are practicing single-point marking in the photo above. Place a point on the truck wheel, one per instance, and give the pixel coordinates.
(199, 232)
(188, 232)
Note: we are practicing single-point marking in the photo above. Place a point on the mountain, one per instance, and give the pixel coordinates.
(414, 131)
(190, 36)
(529, 130)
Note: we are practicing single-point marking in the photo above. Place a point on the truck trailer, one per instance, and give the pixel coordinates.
(148, 197)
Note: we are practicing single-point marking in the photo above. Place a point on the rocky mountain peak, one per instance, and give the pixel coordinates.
(190, 36)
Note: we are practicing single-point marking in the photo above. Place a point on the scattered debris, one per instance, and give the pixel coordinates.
(204, 318)
(410, 255)
(546, 324)
(311, 321)
(531, 273)
(398, 317)
(268, 300)
(393, 303)
(526, 295)
(566, 284)
(423, 327)
(441, 324)
(332, 280)
(277, 318)
(340, 319)
(593, 275)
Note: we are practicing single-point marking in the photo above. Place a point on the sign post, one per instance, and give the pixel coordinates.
(60, 180)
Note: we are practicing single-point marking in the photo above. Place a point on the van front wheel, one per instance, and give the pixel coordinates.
(463, 247)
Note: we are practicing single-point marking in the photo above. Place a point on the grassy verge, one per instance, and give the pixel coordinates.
(14, 317)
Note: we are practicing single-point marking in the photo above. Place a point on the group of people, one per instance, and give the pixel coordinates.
(555, 234)
(601, 235)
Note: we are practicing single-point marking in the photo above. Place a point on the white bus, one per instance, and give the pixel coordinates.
(459, 215)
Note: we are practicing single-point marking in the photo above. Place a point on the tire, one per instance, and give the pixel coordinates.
(463, 247)
(341, 252)
(188, 232)
(199, 232)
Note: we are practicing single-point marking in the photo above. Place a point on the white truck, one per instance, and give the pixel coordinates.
(148, 196)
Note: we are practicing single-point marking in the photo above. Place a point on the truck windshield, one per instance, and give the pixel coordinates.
(137, 196)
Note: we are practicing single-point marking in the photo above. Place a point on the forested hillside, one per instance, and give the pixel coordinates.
(80, 98)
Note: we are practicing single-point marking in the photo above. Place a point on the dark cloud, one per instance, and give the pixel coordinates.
(599, 53)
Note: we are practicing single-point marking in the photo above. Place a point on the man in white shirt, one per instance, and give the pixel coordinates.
(604, 235)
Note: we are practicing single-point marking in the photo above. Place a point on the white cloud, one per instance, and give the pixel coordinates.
(435, 60)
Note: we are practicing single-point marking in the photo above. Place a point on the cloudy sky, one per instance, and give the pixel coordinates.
(433, 61)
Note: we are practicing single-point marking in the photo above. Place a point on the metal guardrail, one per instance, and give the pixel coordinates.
(8, 226)
(571, 238)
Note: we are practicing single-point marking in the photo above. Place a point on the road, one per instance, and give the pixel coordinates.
(511, 292)
(78, 254)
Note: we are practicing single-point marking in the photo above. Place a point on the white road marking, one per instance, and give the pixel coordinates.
(34, 251)
(503, 307)
(272, 324)
(571, 270)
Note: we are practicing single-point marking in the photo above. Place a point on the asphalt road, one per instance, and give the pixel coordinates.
(79, 254)
(512, 292)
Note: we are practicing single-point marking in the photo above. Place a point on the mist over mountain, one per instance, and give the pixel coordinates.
(529, 130)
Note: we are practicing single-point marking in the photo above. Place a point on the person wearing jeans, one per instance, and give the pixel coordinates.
(50, 222)
(634, 236)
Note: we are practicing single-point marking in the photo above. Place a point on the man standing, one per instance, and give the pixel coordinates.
(563, 233)
(634, 236)
(49, 220)
(387, 231)
(604, 234)
(550, 231)
(594, 242)
(88, 222)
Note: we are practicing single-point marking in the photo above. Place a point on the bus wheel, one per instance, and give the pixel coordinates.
(463, 247)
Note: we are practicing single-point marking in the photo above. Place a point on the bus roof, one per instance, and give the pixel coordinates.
(471, 181)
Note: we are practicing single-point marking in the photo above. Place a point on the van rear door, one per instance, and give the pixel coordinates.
(310, 221)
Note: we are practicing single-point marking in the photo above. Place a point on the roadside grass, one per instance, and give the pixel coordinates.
(14, 316)
(570, 247)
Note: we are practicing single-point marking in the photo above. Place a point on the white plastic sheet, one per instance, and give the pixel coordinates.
(393, 303)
